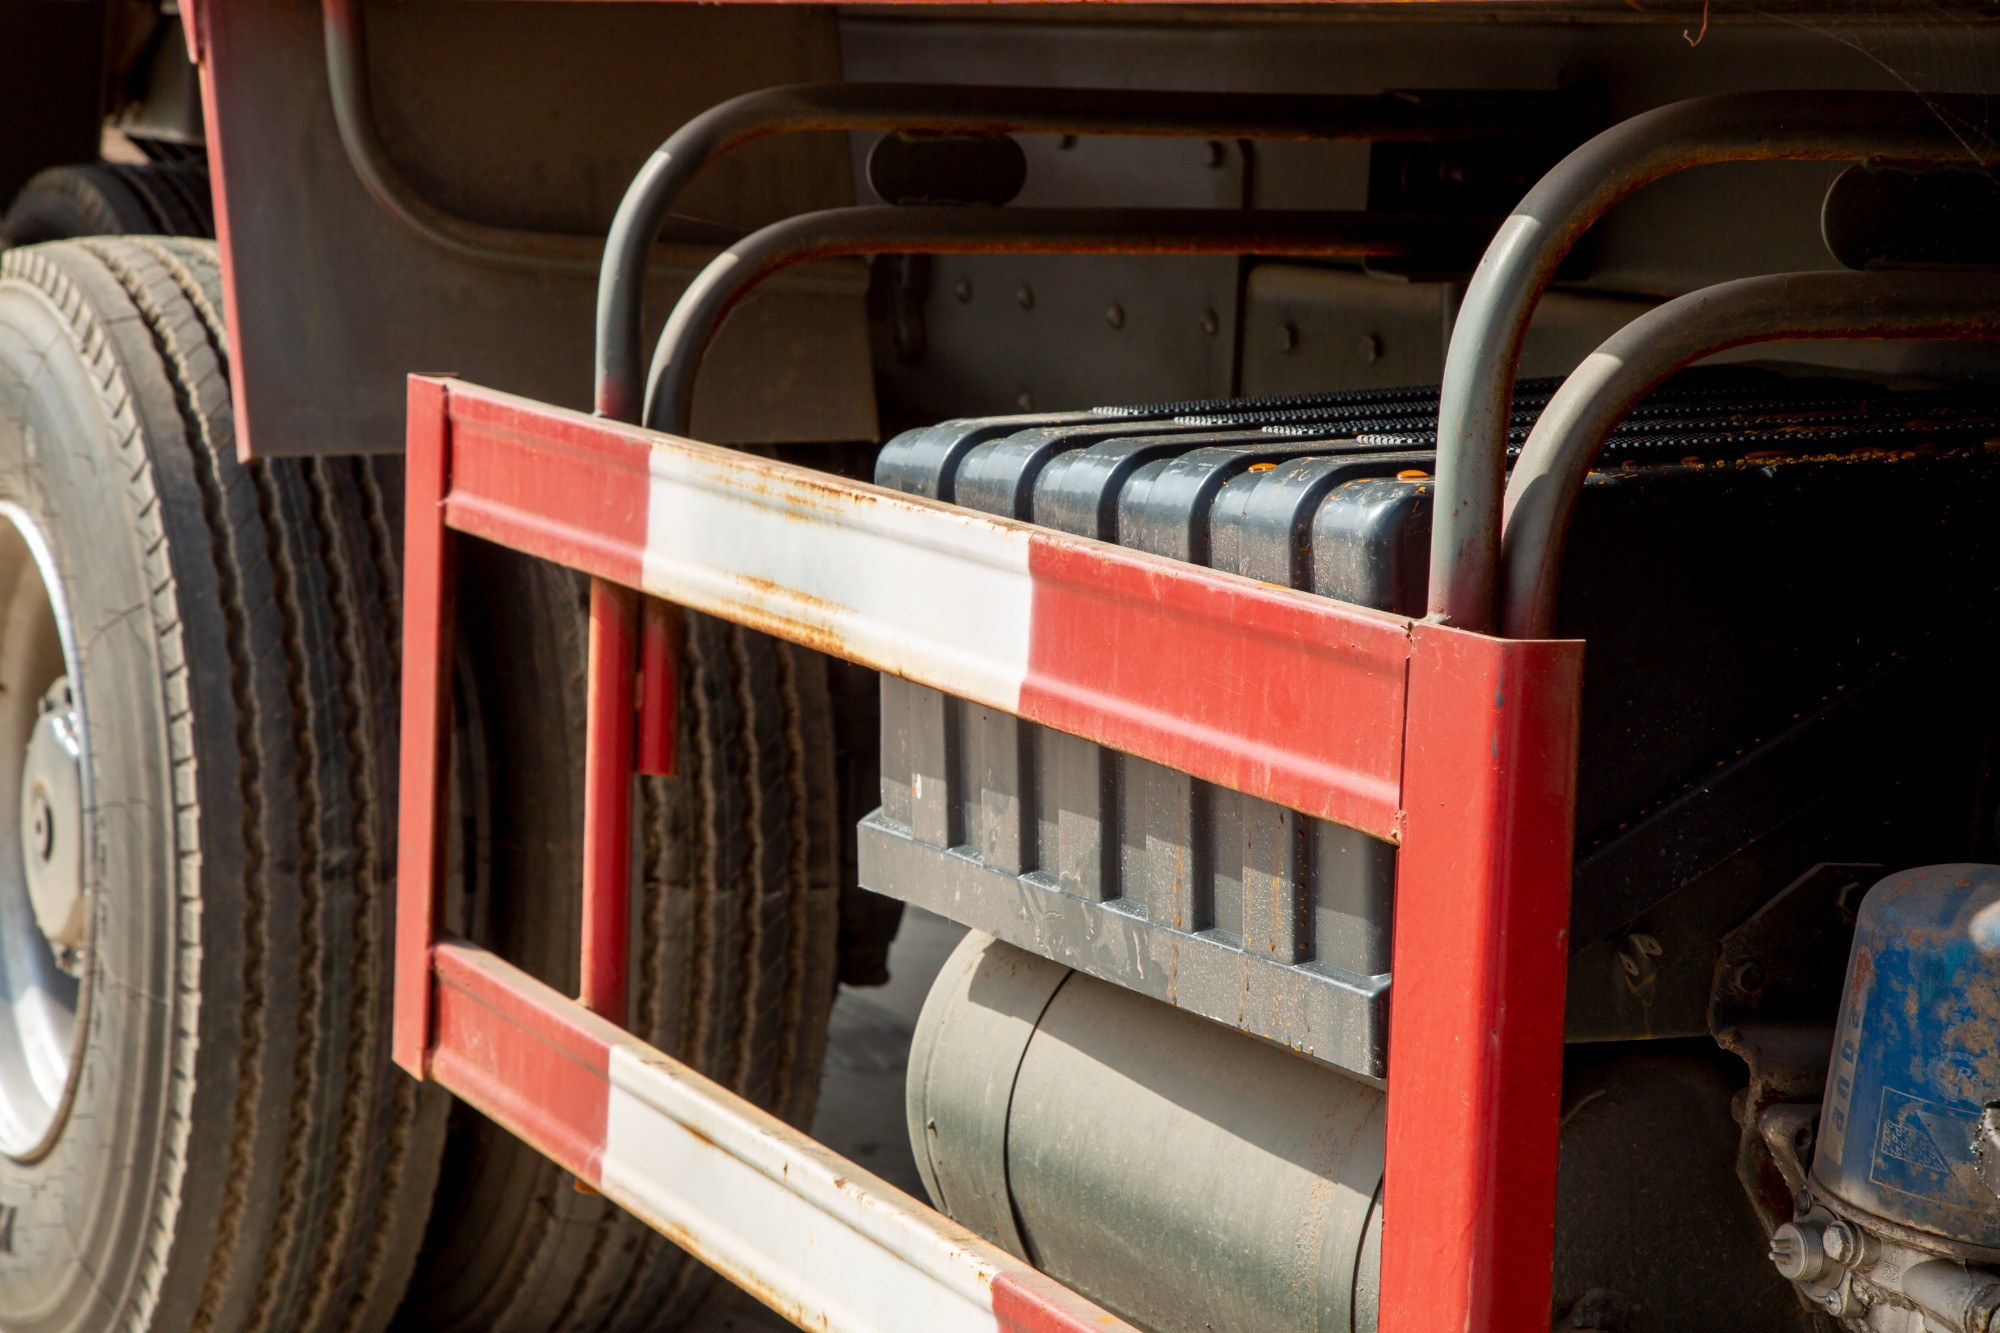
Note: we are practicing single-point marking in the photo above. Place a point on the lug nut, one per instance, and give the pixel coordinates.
(1797, 1252)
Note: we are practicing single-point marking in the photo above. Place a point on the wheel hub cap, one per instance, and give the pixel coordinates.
(51, 822)
(48, 920)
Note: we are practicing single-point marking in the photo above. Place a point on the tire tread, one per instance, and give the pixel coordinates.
(326, 1154)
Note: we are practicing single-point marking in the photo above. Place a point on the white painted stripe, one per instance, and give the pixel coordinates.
(776, 1213)
(939, 597)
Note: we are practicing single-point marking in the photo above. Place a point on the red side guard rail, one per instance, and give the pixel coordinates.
(1458, 746)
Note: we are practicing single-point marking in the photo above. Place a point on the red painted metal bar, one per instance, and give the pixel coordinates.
(610, 718)
(426, 718)
(660, 639)
(1291, 697)
(523, 1054)
(812, 1235)
(1480, 959)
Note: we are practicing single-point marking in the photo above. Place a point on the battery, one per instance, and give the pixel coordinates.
(1750, 545)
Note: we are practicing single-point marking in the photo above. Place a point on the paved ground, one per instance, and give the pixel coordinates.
(861, 1098)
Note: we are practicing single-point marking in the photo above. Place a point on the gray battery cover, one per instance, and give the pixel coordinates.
(1278, 924)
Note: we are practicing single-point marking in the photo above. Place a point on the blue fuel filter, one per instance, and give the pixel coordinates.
(1916, 1056)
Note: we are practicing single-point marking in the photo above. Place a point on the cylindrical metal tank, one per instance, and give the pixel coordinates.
(1179, 1173)
(1917, 1060)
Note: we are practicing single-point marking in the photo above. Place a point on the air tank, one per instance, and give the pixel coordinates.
(1916, 1062)
(1196, 1179)
(1184, 1175)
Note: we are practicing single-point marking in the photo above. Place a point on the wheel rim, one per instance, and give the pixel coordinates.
(45, 902)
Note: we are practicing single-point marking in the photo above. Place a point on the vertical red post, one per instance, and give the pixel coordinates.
(426, 707)
(1480, 962)
(661, 629)
(607, 796)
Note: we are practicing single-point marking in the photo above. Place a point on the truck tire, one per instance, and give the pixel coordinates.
(231, 1149)
(733, 935)
(111, 199)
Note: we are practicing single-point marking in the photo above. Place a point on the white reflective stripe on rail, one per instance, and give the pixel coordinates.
(945, 596)
(775, 1212)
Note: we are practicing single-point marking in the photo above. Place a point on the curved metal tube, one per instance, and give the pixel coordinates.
(961, 230)
(1542, 493)
(1485, 347)
(982, 109)
(353, 112)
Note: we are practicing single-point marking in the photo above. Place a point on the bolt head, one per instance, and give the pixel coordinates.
(1843, 1244)
(1841, 1302)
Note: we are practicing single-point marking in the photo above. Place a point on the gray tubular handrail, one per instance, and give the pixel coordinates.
(1566, 440)
(989, 109)
(969, 230)
(1478, 387)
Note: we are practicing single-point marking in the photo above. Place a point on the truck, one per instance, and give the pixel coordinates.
(1419, 578)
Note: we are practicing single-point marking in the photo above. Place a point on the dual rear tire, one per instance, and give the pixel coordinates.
(232, 1150)
(110, 199)
(225, 1145)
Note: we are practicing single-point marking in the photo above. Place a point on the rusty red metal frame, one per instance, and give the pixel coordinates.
(1459, 746)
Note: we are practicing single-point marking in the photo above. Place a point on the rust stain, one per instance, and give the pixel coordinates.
(820, 638)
